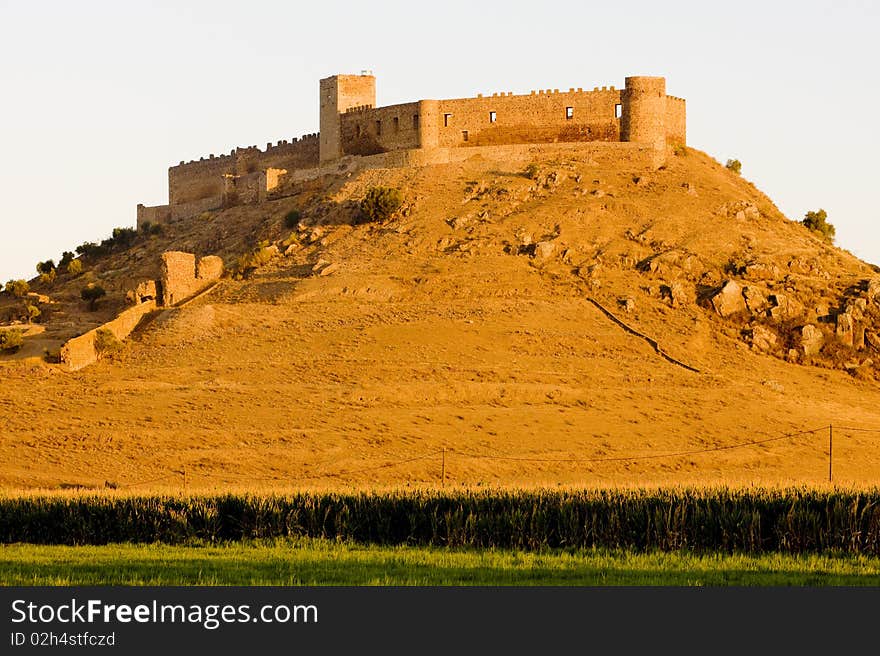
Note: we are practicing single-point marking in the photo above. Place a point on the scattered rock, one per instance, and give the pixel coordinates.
(330, 268)
(544, 249)
(874, 289)
(774, 385)
(676, 293)
(873, 340)
(320, 264)
(761, 271)
(756, 300)
(762, 338)
(785, 307)
(811, 340)
(290, 250)
(844, 329)
(626, 303)
(145, 291)
(740, 210)
(728, 300)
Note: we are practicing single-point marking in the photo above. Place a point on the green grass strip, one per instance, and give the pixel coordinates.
(322, 562)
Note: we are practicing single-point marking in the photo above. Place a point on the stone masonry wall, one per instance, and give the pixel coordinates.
(80, 351)
(367, 131)
(540, 117)
(180, 279)
(198, 180)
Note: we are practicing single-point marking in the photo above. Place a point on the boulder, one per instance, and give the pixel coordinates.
(756, 300)
(627, 304)
(676, 293)
(785, 307)
(873, 340)
(811, 339)
(874, 289)
(728, 300)
(844, 329)
(544, 249)
(763, 338)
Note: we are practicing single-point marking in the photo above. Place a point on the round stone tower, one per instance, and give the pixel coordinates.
(643, 111)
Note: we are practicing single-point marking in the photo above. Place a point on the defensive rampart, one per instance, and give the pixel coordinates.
(84, 350)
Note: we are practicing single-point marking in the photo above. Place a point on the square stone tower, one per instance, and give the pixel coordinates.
(339, 93)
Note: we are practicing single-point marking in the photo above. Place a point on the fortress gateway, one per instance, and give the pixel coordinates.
(636, 122)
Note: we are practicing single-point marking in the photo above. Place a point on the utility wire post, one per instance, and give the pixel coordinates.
(830, 452)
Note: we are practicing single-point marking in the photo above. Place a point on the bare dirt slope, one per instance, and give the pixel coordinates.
(470, 323)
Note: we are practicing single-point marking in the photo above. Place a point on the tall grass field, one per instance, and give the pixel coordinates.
(726, 521)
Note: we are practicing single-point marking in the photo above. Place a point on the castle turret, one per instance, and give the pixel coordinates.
(339, 93)
(643, 111)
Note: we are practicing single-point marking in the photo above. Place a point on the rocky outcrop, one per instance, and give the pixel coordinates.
(728, 300)
(810, 340)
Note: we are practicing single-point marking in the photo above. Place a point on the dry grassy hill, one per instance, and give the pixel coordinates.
(472, 322)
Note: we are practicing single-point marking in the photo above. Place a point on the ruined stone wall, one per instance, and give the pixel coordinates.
(163, 214)
(80, 351)
(196, 181)
(540, 117)
(181, 279)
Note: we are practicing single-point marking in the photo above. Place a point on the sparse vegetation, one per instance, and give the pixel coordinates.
(66, 259)
(292, 218)
(106, 342)
(11, 340)
(380, 204)
(679, 150)
(31, 312)
(817, 222)
(74, 267)
(46, 267)
(17, 288)
(734, 165)
(91, 293)
(48, 278)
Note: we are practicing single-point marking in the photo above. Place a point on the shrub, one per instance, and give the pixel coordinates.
(817, 222)
(17, 288)
(46, 267)
(66, 258)
(74, 267)
(106, 343)
(531, 171)
(123, 237)
(11, 340)
(291, 219)
(679, 150)
(47, 278)
(92, 293)
(380, 204)
(31, 312)
(734, 165)
(91, 250)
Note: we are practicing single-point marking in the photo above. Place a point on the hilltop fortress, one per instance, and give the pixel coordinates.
(631, 125)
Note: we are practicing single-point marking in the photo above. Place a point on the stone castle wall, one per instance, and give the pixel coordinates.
(183, 276)
(351, 125)
(81, 351)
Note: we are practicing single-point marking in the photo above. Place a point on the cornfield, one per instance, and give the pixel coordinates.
(755, 521)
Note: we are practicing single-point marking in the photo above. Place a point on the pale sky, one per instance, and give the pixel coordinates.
(98, 99)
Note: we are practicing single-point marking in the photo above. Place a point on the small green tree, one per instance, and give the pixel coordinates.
(18, 288)
(11, 340)
(46, 267)
(31, 312)
(734, 165)
(74, 267)
(66, 259)
(817, 222)
(91, 293)
(380, 204)
(48, 278)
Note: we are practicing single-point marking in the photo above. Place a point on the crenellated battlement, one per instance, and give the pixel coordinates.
(352, 124)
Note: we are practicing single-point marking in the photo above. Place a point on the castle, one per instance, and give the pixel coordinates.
(639, 120)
